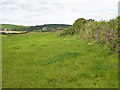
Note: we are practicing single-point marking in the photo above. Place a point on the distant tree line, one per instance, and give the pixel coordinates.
(44, 28)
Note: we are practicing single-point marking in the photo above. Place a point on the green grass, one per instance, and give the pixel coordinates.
(46, 60)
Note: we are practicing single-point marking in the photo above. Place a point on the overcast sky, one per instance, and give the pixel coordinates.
(38, 12)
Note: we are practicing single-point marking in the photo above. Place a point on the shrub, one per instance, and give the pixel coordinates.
(102, 32)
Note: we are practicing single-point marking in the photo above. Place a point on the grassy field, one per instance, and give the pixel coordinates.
(46, 60)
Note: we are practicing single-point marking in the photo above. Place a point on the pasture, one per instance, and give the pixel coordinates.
(46, 60)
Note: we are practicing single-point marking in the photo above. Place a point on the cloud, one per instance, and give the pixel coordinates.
(36, 12)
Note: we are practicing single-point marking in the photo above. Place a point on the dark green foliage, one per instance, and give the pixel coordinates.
(3, 33)
(48, 27)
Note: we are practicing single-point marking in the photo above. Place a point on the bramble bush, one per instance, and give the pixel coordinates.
(100, 32)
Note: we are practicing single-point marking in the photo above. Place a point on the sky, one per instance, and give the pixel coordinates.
(39, 12)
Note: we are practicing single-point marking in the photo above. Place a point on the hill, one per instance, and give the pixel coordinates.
(44, 28)
(14, 27)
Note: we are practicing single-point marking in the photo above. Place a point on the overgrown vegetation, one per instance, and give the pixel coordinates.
(100, 32)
